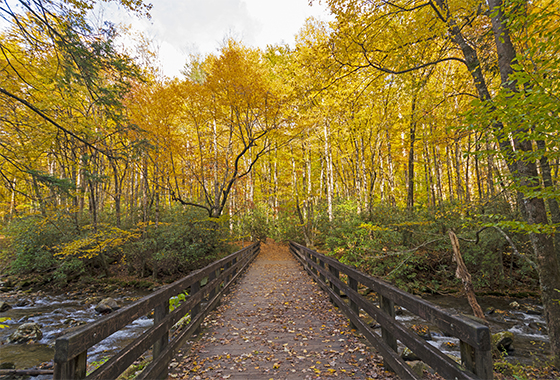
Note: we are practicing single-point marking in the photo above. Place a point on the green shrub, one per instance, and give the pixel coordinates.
(185, 239)
(31, 241)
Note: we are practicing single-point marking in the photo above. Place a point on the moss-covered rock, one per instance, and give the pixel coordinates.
(502, 341)
(25, 333)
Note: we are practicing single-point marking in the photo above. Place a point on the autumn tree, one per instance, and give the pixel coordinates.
(386, 35)
(230, 115)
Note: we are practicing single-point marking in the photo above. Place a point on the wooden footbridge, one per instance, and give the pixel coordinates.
(342, 284)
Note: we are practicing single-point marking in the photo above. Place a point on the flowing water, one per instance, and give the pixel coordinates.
(57, 314)
(524, 318)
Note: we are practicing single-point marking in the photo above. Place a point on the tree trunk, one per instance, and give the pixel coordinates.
(548, 183)
(460, 191)
(477, 169)
(490, 172)
(329, 173)
(412, 137)
(449, 172)
(118, 186)
(437, 166)
(524, 171)
(13, 209)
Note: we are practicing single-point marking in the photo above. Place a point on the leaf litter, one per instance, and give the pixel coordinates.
(277, 324)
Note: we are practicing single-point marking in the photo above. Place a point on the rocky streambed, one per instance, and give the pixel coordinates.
(517, 325)
(58, 314)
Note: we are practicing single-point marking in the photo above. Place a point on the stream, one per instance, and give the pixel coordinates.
(57, 313)
(523, 317)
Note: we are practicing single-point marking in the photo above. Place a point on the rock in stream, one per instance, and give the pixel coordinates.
(25, 333)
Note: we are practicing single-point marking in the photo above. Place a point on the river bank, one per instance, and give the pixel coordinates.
(58, 313)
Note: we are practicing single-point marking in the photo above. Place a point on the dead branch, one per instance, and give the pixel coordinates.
(465, 276)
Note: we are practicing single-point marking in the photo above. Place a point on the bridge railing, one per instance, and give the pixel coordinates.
(205, 288)
(476, 358)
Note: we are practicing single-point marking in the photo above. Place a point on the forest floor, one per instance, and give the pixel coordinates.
(277, 324)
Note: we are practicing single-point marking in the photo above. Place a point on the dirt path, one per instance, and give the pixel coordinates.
(277, 324)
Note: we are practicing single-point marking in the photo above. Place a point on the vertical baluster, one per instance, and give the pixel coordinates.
(234, 261)
(74, 368)
(321, 275)
(226, 267)
(161, 312)
(195, 288)
(353, 284)
(388, 306)
(478, 362)
(212, 292)
(335, 273)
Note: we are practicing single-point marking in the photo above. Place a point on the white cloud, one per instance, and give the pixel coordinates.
(180, 27)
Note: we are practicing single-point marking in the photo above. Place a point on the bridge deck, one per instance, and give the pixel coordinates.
(276, 323)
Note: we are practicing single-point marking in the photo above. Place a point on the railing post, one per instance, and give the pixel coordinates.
(212, 291)
(195, 288)
(74, 369)
(233, 262)
(353, 284)
(478, 362)
(336, 274)
(321, 275)
(226, 267)
(308, 255)
(388, 306)
(160, 312)
(315, 260)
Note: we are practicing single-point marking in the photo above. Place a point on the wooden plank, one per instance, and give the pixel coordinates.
(462, 327)
(395, 361)
(211, 277)
(353, 284)
(483, 364)
(118, 363)
(160, 312)
(336, 274)
(74, 368)
(70, 345)
(388, 306)
(161, 363)
(297, 254)
(195, 288)
(429, 354)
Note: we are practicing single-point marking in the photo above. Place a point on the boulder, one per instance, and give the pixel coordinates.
(4, 306)
(106, 305)
(503, 341)
(5, 286)
(25, 333)
(23, 302)
(532, 310)
(538, 327)
(71, 322)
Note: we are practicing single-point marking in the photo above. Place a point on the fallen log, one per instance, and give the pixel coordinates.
(465, 277)
(26, 372)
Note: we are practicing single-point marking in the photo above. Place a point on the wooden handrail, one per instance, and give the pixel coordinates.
(476, 355)
(71, 349)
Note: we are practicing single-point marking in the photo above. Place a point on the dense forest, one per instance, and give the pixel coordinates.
(370, 139)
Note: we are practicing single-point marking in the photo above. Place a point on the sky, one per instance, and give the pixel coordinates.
(182, 27)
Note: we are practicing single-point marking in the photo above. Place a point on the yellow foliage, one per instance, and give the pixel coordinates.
(372, 227)
(106, 238)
